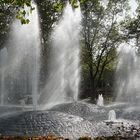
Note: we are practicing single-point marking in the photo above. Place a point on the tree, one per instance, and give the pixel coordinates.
(8, 9)
(101, 37)
(50, 12)
(132, 28)
(18, 7)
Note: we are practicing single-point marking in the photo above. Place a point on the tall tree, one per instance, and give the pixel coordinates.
(101, 37)
(132, 28)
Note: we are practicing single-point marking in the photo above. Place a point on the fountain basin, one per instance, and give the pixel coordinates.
(36, 123)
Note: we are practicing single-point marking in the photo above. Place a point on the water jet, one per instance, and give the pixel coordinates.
(64, 72)
(22, 62)
(100, 101)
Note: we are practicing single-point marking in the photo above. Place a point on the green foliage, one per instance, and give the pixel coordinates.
(74, 3)
(58, 6)
(19, 6)
(19, 3)
(131, 28)
(21, 16)
(82, 1)
(101, 37)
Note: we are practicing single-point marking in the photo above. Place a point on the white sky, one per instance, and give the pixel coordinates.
(133, 5)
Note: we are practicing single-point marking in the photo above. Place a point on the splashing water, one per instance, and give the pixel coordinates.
(128, 75)
(63, 81)
(3, 62)
(100, 101)
(112, 115)
(21, 70)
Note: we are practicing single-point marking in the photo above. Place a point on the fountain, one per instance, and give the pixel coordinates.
(3, 61)
(112, 115)
(21, 65)
(128, 74)
(63, 81)
(100, 101)
(69, 118)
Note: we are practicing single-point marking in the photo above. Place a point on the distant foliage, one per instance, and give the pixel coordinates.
(19, 7)
(105, 27)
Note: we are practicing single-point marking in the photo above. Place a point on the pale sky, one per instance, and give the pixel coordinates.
(133, 5)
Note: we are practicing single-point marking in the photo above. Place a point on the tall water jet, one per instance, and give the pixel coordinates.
(100, 101)
(23, 63)
(63, 81)
(128, 74)
(3, 62)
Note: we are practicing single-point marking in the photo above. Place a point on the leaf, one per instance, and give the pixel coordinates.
(23, 21)
(28, 3)
(27, 21)
(24, 13)
(57, 6)
(75, 6)
(74, 3)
